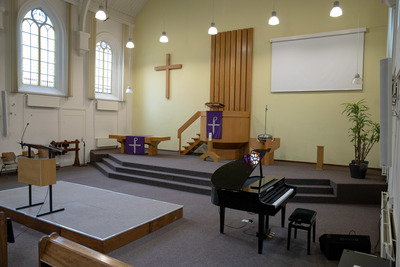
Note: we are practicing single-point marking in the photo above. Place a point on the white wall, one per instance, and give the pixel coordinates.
(76, 118)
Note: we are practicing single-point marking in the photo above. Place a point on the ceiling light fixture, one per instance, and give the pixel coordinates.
(130, 43)
(100, 14)
(129, 90)
(336, 10)
(164, 38)
(212, 30)
(273, 20)
(357, 79)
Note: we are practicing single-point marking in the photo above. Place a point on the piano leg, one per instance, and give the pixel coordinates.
(221, 219)
(283, 211)
(261, 234)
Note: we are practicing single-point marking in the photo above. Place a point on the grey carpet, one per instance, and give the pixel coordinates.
(195, 240)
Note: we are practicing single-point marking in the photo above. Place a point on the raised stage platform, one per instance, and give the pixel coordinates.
(111, 219)
(188, 173)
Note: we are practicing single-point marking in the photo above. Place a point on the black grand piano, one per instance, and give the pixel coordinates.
(233, 187)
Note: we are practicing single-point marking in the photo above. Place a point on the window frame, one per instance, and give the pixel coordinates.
(61, 51)
(117, 77)
(104, 70)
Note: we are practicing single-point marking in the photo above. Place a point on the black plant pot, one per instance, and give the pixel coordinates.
(358, 170)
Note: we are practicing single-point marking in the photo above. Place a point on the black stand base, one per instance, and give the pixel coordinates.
(50, 212)
(41, 203)
(30, 205)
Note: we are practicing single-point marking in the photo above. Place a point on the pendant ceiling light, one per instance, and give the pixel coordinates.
(336, 10)
(164, 38)
(273, 20)
(357, 79)
(212, 30)
(129, 90)
(130, 43)
(100, 14)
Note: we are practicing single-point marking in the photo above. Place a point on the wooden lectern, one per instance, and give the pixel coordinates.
(39, 172)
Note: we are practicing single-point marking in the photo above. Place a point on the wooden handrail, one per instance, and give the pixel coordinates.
(186, 125)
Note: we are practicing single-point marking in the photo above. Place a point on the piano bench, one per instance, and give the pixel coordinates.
(303, 219)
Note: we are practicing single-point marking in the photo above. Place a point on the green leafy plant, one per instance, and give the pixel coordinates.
(364, 133)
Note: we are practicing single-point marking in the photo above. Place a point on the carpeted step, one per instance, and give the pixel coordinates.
(305, 181)
(109, 172)
(160, 168)
(314, 189)
(314, 198)
(158, 173)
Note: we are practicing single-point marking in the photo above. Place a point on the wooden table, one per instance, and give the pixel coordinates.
(151, 141)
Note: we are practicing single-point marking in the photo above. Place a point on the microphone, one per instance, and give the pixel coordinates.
(22, 137)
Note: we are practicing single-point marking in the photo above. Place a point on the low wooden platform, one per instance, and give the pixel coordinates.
(96, 218)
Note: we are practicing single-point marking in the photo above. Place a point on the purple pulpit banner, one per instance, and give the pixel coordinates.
(214, 124)
(134, 144)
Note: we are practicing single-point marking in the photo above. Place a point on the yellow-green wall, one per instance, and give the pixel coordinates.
(302, 120)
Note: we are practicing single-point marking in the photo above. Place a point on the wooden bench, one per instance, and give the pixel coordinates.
(55, 250)
(151, 141)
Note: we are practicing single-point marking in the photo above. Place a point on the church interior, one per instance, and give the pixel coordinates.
(146, 137)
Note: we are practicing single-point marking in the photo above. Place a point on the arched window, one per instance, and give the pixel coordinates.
(42, 49)
(104, 63)
(38, 49)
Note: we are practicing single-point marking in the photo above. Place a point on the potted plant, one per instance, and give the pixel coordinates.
(364, 133)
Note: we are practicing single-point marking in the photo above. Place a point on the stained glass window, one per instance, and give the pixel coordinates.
(103, 74)
(38, 49)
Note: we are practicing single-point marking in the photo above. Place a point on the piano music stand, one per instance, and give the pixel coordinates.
(44, 175)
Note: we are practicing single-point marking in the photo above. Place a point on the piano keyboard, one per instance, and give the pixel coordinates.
(283, 198)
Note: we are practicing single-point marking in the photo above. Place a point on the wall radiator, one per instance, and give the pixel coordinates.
(387, 229)
(104, 142)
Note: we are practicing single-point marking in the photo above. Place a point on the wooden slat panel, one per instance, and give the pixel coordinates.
(238, 69)
(243, 69)
(232, 72)
(212, 75)
(217, 68)
(231, 69)
(249, 71)
(227, 67)
(222, 70)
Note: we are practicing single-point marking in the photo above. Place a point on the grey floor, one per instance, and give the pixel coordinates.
(195, 240)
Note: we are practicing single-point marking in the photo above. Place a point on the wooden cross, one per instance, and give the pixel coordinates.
(167, 68)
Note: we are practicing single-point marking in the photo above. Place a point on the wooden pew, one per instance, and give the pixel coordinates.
(3, 240)
(55, 250)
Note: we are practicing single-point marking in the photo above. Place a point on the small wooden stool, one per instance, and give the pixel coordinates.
(302, 219)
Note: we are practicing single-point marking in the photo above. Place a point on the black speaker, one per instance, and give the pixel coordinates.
(332, 245)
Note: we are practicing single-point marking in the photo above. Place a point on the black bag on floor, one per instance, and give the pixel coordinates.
(332, 245)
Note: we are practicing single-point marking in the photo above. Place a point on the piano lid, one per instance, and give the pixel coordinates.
(235, 173)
